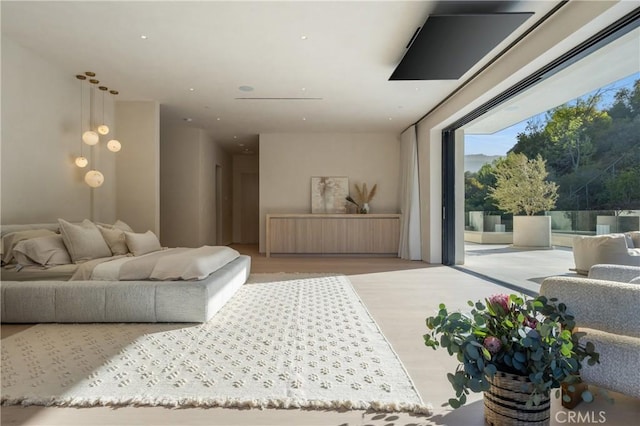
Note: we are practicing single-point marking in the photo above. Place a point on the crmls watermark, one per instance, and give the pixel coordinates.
(576, 417)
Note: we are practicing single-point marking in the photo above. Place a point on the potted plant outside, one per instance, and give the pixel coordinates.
(515, 350)
(521, 188)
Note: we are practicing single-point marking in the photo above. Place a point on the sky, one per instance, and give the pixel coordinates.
(501, 142)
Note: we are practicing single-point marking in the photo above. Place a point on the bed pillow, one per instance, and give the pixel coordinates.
(45, 251)
(123, 226)
(115, 239)
(9, 241)
(83, 241)
(140, 244)
(117, 225)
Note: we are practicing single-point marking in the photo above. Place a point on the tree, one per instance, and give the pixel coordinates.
(627, 102)
(624, 189)
(569, 127)
(521, 185)
(476, 189)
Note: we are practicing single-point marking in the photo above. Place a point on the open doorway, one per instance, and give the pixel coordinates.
(590, 150)
(249, 208)
(611, 56)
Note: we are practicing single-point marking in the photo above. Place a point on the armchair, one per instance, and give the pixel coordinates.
(616, 249)
(606, 306)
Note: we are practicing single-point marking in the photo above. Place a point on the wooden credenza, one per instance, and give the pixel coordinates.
(377, 234)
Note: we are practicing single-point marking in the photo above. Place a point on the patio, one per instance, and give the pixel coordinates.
(520, 270)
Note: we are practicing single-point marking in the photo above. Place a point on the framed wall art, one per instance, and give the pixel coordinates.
(329, 193)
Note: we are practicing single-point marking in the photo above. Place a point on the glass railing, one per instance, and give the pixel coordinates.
(585, 222)
(592, 222)
(488, 221)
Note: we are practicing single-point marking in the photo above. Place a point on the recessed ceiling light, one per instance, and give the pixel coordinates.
(188, 119)
(217, 118)
(304, 37)
(304, 88)
(417, 88)
(304, 118)
(235, 137)
(143, 37)
(390, 118)
(191, 89)
(246, 88)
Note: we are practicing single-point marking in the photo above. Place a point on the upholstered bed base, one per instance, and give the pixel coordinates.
(122, 301)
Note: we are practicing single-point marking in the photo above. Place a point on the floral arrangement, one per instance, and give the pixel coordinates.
(533, 338)
(363, 197)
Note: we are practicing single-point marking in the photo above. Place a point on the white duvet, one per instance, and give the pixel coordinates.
(169, 264)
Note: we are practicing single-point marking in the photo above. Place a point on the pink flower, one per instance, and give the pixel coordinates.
(530, 322)
(500, 300)
(492, 344)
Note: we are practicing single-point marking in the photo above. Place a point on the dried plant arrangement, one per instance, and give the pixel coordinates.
(363, 197)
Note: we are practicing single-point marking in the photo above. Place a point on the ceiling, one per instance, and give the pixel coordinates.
(330, 60)
(613, 62)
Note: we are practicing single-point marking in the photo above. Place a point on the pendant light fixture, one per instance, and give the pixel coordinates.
(90, 137)
(103, 129)
(81, 160)
(93, 177)
(114, 145)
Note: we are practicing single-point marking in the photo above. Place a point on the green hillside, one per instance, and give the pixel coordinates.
(592, 153)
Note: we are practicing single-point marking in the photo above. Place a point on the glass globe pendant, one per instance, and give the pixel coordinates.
(90, 137)
(114, 145)
(94, 178)
(103, 129)
(81, 162)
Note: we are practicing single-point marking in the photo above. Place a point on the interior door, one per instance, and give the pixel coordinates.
(249, 213)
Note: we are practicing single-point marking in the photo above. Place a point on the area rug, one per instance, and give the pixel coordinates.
(293, 343)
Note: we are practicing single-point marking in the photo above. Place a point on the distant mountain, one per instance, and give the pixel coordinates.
(473, 162)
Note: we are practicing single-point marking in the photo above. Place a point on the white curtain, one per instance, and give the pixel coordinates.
(409, 197)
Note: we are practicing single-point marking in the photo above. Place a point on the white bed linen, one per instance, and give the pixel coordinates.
(170, 264)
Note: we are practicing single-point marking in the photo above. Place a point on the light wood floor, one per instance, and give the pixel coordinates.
(399, 295)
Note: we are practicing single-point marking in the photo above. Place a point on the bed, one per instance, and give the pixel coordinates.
(86, 272)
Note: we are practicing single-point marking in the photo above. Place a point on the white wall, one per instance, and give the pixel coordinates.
(138, 177)
(288, 161)
(41, 133)
(188, 159)
(178, 147)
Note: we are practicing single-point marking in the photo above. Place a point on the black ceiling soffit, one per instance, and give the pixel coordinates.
(447, 46)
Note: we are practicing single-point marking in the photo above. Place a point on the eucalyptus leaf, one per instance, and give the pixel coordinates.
(472, 351)
(475, 385)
